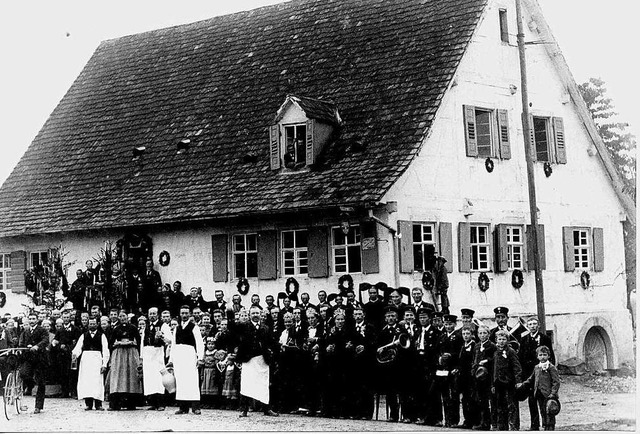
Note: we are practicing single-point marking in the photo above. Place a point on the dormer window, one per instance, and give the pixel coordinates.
(303, 126)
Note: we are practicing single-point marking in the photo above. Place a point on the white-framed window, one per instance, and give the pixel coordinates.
(347, 254)
(245, 255)
(424, 234)
(295, 145)
(38, 258)
(479, 241)
(295, 252)
(515, 247)
(5, 268)
(581, 248)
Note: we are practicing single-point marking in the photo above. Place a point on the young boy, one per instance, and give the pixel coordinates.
(483, 358)
(545, 382)
(506, 374)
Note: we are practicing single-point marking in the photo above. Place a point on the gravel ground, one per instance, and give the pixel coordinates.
(588, 403)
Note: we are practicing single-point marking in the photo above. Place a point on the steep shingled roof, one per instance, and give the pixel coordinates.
(219, 82)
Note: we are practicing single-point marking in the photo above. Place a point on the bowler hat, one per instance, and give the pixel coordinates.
(553, 406)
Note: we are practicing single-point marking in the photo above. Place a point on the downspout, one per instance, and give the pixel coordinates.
(394, 243)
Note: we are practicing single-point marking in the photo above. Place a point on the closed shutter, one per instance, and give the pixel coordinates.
(318, 254)
(502, 255)
(558, 132)
(464, 241)
(541, 247)
(405, 228)
(532, 138)
(369, 247)
(470, 130)
(598, 249)
(310, 142)
(274, 146)
(16, 275)
(503, 134)
(220, 257)
(267, 255)
(446, 244)
(567, 243)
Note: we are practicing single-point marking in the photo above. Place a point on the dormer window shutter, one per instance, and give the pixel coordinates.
(310, 144)
(274, 146)
(558, 132)
(470, 130)
(503, 134)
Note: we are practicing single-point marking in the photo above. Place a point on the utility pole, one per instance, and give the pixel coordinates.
(528, 147)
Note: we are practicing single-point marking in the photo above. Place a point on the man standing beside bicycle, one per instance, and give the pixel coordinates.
(34, 364)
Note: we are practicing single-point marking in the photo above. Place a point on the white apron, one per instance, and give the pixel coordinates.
(186, 372)
(254, 379)
(90, 380)
(152, 363)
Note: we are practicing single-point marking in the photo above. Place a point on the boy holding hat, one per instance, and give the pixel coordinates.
(450, 345)
(545, 382)
(482, 362)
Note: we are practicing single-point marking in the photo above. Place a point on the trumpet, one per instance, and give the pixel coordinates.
(387, 353)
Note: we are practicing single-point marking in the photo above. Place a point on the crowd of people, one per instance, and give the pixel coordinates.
(333, 359)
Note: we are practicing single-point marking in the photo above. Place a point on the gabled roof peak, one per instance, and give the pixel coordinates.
(314, 108)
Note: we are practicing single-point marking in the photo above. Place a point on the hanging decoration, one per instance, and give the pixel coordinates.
(517, 279)
(488, 164)
(483, 282)
(243, 286)
(585, 280)
(547, 169)
(291, 288)
(345, 284)
(428, 281)
(3, 299)
(164, 258)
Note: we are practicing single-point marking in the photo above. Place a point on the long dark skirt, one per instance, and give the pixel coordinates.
(125, 387)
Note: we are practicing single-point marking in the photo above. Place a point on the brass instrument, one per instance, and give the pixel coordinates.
(387, 353)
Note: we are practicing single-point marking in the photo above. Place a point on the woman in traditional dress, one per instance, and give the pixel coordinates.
(124, 383)
(93, 350)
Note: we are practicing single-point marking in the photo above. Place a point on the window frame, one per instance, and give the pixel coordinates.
(296, 253)
(356, 244)
(40, 256)
(503, 20)
(499, 134)
(588, 248)
(486, 245)
(245, 253)
(297, 163)
(522, 245)
(549, 138)
(5, 270)
(423, 243)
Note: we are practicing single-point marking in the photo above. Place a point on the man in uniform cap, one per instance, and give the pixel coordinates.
(389, 371)
(501, 318)
(428, 405)
(437, 322)
(467, 320)
(449, 348)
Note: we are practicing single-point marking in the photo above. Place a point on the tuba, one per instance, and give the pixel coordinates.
(516, 332)
(387, 353)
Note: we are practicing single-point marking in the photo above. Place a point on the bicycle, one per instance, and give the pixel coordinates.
(13, 390)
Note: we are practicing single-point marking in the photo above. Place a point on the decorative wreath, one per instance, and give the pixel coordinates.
(517, 279)
(341, 284)
(3, 299)
(428, 281)
(483, 282)
(547, 169)
(488, 164)
(164, 258)
(293, 295)
(585, 280)
(243, 286)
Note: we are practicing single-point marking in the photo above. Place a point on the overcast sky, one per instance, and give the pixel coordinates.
(45, 44)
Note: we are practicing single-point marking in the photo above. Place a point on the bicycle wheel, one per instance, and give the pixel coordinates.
(18, 392)
(7, 393)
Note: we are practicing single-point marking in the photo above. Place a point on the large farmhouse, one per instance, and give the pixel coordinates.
(314, 139)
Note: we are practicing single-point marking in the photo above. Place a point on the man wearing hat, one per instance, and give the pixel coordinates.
(428, 405)
(501, 318)
(408, 364)
(389, 371)
(467, 321)
(436, 320)
(434, 264)
(449, 348)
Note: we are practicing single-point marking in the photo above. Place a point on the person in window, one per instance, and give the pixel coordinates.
(290, 155)
(434, 264)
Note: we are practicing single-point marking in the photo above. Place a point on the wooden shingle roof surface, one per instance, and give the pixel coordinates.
(385, 64)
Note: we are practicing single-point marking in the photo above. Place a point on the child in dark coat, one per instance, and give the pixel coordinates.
(545, 383)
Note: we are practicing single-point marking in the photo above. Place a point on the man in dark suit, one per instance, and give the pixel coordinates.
(418, 302)
(428, 402)
(365, 354)
(449, 349)
(304, 302)
(36, 339)
(528, 359)
(151, 287)
(64, 341)
(389, 370)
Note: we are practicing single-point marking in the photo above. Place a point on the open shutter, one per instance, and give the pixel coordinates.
(598, 249)
(500, 236)
(267, 255)
(503, 134)
(470, 130)
(219, 257)
(318, 254)
(567, 243)
(274, 146)
(16, 275)
(446, 244)
(558, 131)
(464, 241)
(369, 248)
(405, 228)
(532, 139)
(310, 145)
(541, 247)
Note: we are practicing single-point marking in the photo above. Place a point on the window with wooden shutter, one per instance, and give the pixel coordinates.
(470, 130)
(503, 134)
(464, 252)
(405, 229)
(5, 269)
(267, 255)
(598, 249)
(318, 255)
(219, 257)
(445, 230)
(369, 246)
(16, 275)
(567, 244)
(274, 146)
(311, 158)
(558, 131)
(502, 255)
(541, 248)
